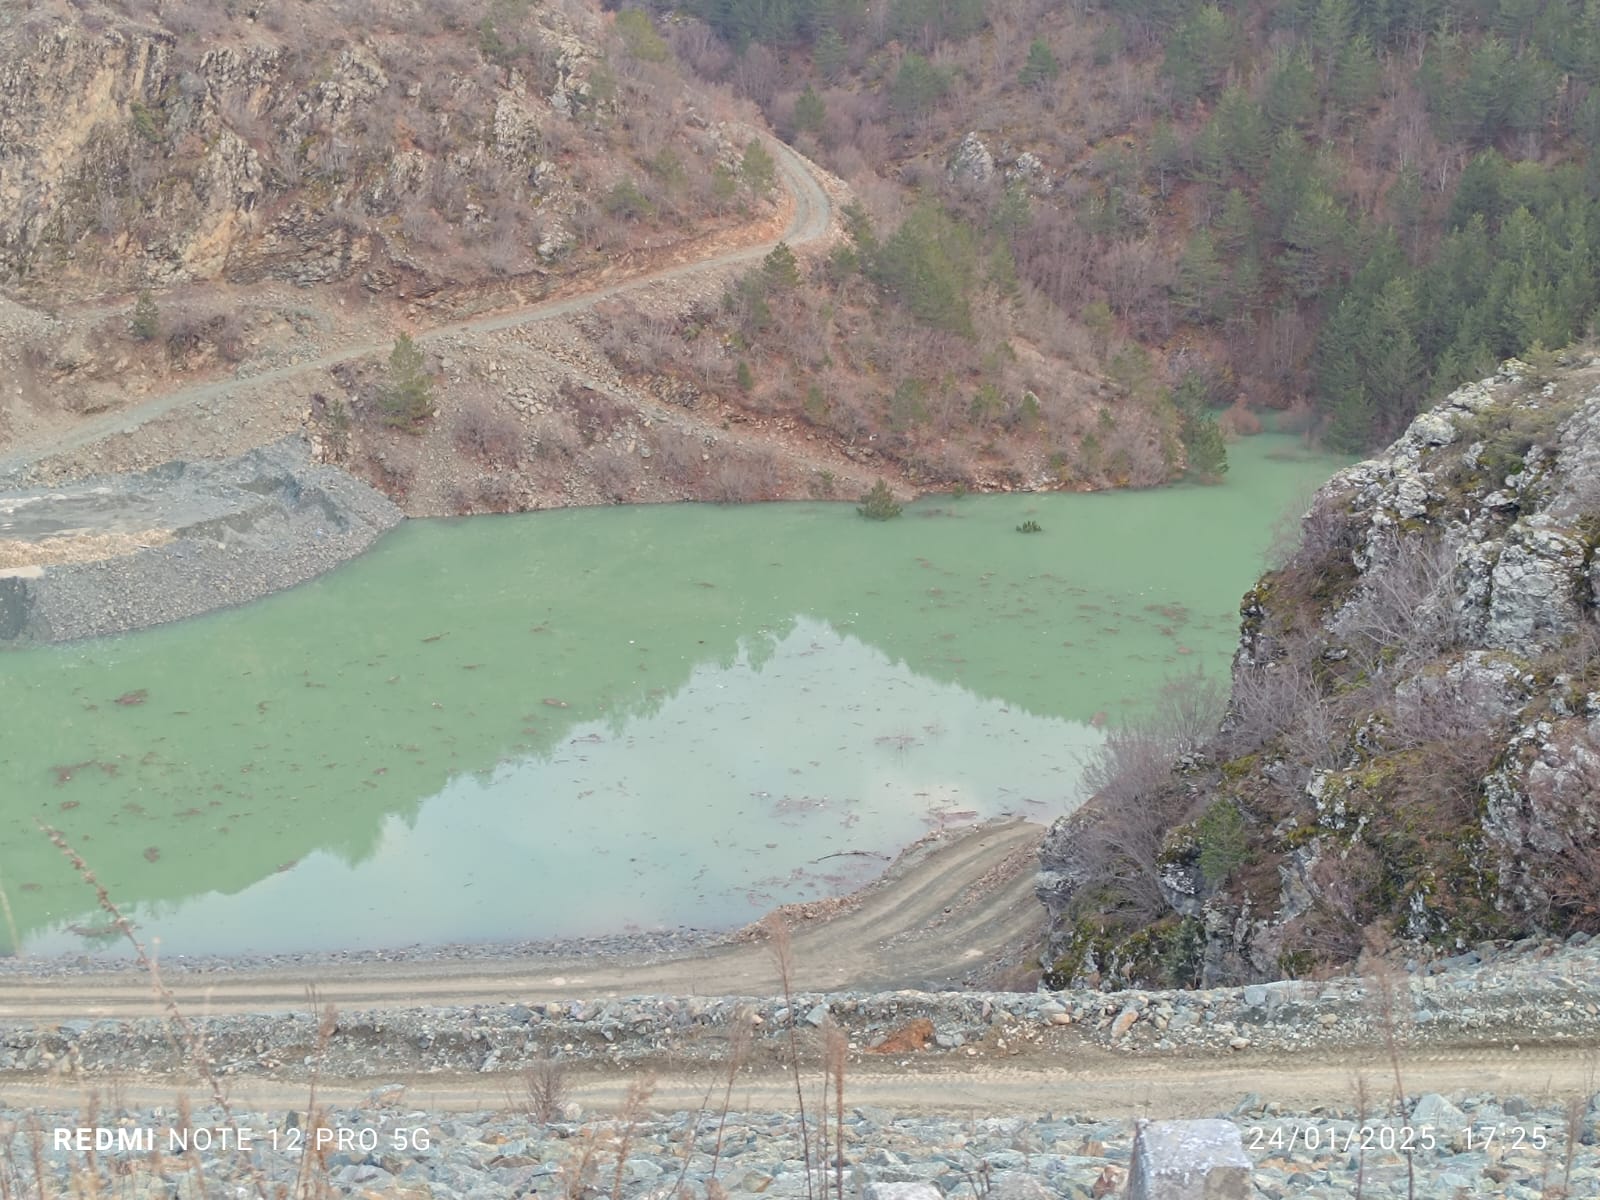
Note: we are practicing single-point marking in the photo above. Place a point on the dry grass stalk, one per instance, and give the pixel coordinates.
(836, 1055)
(781, 947)
(327, 1018)
(11, 928)
(36, 1151)
(188, 1040)
(639, 1092)
(738, 1052)
(1363, 1107)
(576, 1182)
(1382, 987)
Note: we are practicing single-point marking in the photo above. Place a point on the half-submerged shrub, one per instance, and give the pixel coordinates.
(879, 504)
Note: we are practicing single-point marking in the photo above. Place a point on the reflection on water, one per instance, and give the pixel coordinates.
(797, 788)
(569, 722)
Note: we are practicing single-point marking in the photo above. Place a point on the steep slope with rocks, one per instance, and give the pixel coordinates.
(1412, 744)
(155, 145)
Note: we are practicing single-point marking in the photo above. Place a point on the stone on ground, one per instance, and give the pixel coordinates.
(1189, 1160)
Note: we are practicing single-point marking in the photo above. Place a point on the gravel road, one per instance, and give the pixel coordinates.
(811, 218)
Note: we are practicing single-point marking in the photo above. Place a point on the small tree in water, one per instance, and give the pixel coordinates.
(879, 504)
(408, 393)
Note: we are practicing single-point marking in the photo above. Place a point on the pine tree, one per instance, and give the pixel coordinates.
(757, 169)
(1199, 288)
(1041, 66)
(918, 85)
(1244, 131)
(1291, 95)
(1234, 227)
(1199, 53)
(780, 267)
(146, 320)
(809, 111)
(1393, 373)
(1167, 156)
(829, 54)
(879, 504)
(1205, 453)
(407, 395)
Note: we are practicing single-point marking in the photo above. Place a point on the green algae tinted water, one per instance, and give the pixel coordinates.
(591, 721)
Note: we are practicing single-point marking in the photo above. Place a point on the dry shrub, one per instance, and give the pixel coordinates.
(190, 328)
(1459, 722)
(1283, 700)
(1314, 552)
(392, 472)
(640, 341)
(1136, 801)
(1343, 884)
(594, 414)
(555, 437)
(1239, 421)
(489, 434)
(1405, 610)
(679, 458)
(616, 474)
(544, 1088)
(498, 494)
(743, 480)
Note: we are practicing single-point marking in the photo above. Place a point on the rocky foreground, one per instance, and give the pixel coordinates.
(516, 1063)
(1468, 1145)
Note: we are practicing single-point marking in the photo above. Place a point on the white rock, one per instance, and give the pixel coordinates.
(1189, 1160)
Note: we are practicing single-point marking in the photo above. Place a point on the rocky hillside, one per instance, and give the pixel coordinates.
(148, 145)
(1412, 744)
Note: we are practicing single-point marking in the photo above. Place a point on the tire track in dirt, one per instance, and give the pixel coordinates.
(916, 927)
(1167, 1088)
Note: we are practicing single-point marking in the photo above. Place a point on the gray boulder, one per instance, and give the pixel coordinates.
(1189, 1160)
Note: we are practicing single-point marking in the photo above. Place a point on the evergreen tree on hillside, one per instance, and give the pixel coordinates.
(146, 320)
(1041, 66)
(407, 394)
(809, 111)
(929, 265)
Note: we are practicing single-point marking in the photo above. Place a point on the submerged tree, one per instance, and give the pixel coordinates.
(879, 504)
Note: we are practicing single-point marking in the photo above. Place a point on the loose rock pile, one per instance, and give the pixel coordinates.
(1536, 989)
(1478, 1145)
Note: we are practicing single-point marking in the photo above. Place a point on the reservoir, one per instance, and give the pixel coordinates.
(593, 721)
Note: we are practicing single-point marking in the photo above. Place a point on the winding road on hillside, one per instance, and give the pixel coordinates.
(811, 218)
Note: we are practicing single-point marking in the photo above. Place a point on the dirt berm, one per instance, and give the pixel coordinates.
(118, 552)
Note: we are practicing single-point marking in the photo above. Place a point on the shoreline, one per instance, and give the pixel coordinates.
(638, 949)
(113, 554)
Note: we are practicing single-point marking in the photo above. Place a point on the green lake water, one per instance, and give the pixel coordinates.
(597, 720)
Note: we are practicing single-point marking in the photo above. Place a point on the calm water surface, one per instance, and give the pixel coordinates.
(592, 720)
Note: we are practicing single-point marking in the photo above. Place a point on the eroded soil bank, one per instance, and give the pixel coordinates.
(118, 552)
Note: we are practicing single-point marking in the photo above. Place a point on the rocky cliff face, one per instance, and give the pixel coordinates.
(1412, 744)
(193, 142)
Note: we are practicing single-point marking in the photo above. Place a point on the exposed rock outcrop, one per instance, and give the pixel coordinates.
(137, 155)
(1412, 745)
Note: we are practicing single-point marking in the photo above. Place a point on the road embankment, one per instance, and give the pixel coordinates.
(116, 553)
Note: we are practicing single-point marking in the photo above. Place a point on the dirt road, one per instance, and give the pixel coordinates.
(1102, 1088)
(811, 216)
(921, 925)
